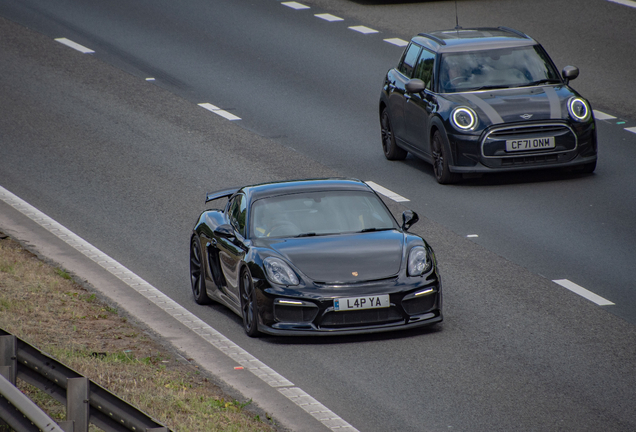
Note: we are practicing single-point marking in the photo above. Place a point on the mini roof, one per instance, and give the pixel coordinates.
(469, 39)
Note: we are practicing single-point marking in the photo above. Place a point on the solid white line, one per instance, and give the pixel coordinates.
(631, 129)
(363, 29)
(329, 17)
(387, 193)
(600, 115)
(218, 111)
(397, 41)
(295, 5)
(625, 2)
(75, 45)
(296, 395)
(583, 292)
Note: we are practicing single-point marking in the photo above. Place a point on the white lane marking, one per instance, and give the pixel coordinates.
(397, 41)
(600, 115)
(310, 405)
(75, 45)
(631, 129)
(583, 292)
(472, 235)
(363, 29)
(218, 111)
(329, 17)
(387, 193)
(295, 5)
(150, 79)
(625, 2)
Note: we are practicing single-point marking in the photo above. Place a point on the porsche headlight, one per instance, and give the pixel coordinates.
(579, 110)
(418, 261)
(463, 119)
(279, 272)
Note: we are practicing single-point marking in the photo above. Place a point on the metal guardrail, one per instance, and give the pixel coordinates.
(86, 402)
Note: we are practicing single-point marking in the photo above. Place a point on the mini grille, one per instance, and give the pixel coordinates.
(554, 129)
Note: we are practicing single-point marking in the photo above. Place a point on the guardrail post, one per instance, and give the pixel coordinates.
(77, 403)
(9, 356)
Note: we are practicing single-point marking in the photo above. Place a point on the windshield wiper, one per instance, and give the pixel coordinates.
(545, 81)
(374, 229)
(311, 234)
(491, 87)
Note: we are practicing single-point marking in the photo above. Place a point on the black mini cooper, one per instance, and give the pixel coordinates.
(484, 100)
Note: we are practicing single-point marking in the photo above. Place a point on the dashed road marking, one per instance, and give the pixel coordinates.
(599, 115)
(625, 2)
(631, 129)
(363, 29)
(296, 395)
(218, 111)
(472, 235)
(75, 45)
(329, 17)
(295, 5)
(583, 292)
(397, 41)
(387, 193)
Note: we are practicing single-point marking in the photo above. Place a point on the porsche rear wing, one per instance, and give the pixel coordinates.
(220, 194)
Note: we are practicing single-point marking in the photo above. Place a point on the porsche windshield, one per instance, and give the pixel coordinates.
(319, 213)
(497, 68)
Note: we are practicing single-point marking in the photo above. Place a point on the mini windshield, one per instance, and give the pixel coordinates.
(319, 213)
(497, 68)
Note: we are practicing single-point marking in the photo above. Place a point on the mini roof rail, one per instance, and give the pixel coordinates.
(517, 32)
(435, 38)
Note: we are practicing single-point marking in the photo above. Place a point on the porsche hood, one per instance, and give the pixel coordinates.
(345, 258)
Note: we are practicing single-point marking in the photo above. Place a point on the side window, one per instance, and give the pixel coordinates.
(238, 213)
(411, 54)
(424, 68)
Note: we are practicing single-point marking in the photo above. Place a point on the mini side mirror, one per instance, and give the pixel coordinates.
(569, 73)
(225, 231)
(409, 218)
(415, 86)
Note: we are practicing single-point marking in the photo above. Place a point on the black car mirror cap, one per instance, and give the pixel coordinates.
(415, 86)
(225, 231)
(409, 218)
(569, 73)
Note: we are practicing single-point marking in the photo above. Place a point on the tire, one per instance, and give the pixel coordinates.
(443, 175)
(588, 168)
(391, 150)
(197, 274)
(249, 307)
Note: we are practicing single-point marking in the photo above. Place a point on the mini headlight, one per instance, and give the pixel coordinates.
(463, 119)
(418, 261)
(279, 272)
(578, 108)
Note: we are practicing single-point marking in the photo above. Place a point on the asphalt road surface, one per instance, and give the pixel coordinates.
(124, 162)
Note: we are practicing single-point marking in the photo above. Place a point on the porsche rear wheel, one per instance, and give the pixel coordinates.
(391, 150)
(249, 308)
(197, 276)
(443, 175)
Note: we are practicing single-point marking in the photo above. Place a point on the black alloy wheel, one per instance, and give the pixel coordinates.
(248, 304)
(197, 278)
(391, 150)
(443, 175)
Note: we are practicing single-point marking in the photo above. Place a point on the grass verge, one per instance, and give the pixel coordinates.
(42, 305)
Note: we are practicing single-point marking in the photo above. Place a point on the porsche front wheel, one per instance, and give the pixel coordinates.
(197, 275)
(249, 308)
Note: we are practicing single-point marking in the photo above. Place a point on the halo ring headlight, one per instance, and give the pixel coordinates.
(463, 119)
(579, 109)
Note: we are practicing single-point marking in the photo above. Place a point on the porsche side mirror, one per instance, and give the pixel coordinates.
(569, 73)
(415, 86)
(225, 231)
(409, 218)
